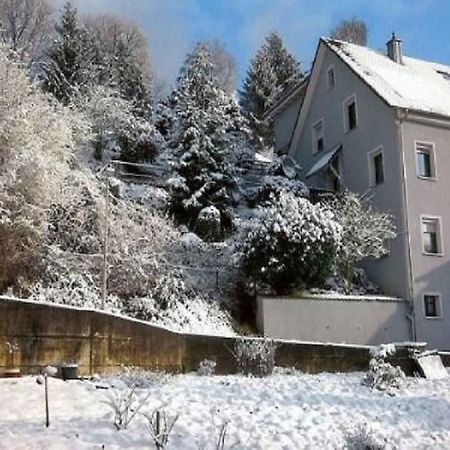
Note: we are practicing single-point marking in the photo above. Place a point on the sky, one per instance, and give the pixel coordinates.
(174, 26)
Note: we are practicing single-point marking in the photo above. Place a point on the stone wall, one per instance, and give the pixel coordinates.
(41, 334)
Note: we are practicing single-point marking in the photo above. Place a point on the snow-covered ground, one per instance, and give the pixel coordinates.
(279, 412)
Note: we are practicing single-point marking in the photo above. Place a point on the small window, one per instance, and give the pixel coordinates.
(350, 114)
(425, 161)
(376, 167)
(331, 78)
(431, 236)
(317, 135)
(432, 305)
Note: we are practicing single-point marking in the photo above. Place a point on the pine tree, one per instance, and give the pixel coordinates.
(206, 135)
(130, 81)
(272, 71)
(69, 64)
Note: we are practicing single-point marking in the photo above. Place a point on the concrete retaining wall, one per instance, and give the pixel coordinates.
(42, 334)
(361, 320)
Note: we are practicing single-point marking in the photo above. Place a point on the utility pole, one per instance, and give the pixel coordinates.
(107, 171)
(105, 239)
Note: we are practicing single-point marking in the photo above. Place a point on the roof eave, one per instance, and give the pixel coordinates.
(280, 105)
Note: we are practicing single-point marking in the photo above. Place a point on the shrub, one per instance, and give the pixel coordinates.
(136, 378)
(275, 185)
(207, 367)
(160, 425)
(292, 243)
(364, 231)
(125, 405)
(22, 253)
(255, 357)
(208, 223)
(382, 375)
(363, 438)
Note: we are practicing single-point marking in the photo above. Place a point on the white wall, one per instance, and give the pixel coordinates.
(360, 320)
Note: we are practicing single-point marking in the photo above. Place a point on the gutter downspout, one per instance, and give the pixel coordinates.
(411, 316)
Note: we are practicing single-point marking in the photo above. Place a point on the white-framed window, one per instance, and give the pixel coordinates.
(318, 136)
(376, 166)
(331, 78)
(431, 236)
(425, 160)
(350, 114)
(432, 305)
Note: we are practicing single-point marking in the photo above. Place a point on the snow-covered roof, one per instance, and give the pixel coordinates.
(416, 84)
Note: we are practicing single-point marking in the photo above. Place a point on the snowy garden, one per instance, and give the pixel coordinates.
(287, 410)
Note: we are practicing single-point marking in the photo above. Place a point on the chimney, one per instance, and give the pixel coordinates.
(394, 49)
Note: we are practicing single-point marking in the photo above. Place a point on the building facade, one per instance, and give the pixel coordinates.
(381, 123)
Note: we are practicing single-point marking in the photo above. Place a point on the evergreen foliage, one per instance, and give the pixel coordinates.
(70, 62)
(130, 81)
(207, 134)
(272, 71)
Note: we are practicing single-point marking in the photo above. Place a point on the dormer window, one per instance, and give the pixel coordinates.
(331, 78)
(350, 114)
(318, 136)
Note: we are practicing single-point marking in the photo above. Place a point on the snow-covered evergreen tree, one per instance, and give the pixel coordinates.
(71, 62)
(272, 71)
(207, 135)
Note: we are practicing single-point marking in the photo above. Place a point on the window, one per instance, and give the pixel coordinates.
(432, 305)
(376, 167)
(331, 78)
(317, 136)
(431, 236)
(350, 114)
(425, 161)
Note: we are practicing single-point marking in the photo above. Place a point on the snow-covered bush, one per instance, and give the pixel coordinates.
(291, 243)
(363, 438)
(125, 404)
(143, 379)
(37, 142)
(141, 246)
(116, 132)
(364, 231)
(274, 185)
(255, 356)
(160, 425)
(382, 375)
(206, 368)
(208, 223)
